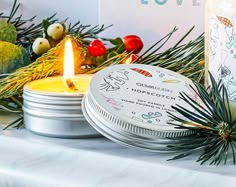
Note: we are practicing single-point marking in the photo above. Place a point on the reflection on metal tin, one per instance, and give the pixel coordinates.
(55, 115)
(128, 104)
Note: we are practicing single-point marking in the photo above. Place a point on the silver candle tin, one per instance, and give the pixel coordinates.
(128, 104)
(55, 115)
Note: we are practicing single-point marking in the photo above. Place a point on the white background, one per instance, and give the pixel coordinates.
(150, 21)
(84, 10)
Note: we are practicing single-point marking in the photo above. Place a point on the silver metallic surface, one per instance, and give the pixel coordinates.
(56, 115)
(123, 130)
(122, 135)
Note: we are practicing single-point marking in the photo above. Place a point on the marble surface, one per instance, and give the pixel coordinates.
(29, 160)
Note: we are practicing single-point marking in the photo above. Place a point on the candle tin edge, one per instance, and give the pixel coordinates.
(56, 116)
(123, 130)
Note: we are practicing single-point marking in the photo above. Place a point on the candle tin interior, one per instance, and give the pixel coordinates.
(128, 104)
(55, 115)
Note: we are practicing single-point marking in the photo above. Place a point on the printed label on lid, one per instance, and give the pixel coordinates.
(144, 94)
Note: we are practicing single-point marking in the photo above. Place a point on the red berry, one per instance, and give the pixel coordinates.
(131, 36)
(133, 43)
(96, 48)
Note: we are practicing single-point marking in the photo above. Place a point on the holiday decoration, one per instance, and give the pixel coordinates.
(213, 126)
(12, 57)
(40, 46)
(186, 58)
(133, 43)
(35, 51)
(7, 32)
(58, 93)
(56, 31)
(96, 48)
(50, 63)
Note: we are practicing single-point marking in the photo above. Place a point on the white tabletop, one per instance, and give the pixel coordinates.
(29, 160)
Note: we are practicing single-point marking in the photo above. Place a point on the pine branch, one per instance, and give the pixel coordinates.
(86, 31)
(186, 59)
(28, 30)
(49, 64)
(212, 124)
(13, 105)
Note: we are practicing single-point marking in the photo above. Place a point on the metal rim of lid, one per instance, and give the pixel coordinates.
(128, 123)
(120, 136)
(130, 127)
(42, 98)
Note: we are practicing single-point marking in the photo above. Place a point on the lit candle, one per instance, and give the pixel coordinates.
(69, 83)
(57, 86)
(53, 105)
(69, 65)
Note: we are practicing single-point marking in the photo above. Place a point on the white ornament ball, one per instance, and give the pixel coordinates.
(56, 31)
(40, 46)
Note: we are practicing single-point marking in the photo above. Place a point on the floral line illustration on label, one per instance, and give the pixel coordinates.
(222, 48)
(113, 81)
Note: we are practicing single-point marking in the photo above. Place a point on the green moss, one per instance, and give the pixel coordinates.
(7, 32)
(12, 57)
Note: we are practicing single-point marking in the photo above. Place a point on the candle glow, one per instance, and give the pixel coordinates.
(68, 84)
(69, 65)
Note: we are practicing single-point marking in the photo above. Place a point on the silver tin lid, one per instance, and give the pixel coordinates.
(128, 104)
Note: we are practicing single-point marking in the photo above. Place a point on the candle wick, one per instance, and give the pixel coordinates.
(70, 84)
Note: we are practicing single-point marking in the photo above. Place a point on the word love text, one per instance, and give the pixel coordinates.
(178, 2)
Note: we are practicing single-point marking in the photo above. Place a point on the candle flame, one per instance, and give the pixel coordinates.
(69, 65)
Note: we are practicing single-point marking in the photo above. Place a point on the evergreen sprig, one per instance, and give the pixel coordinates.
(49, 64)
(213, 126)
(28, 30)
(85, 31)
(13, 105)
(186, 59)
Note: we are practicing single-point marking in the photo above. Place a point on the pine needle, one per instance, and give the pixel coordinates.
(186, 59)
(49, 64)
(215, 133)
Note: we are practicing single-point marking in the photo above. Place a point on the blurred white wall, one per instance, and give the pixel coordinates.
(150, 19)
(84, 10)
